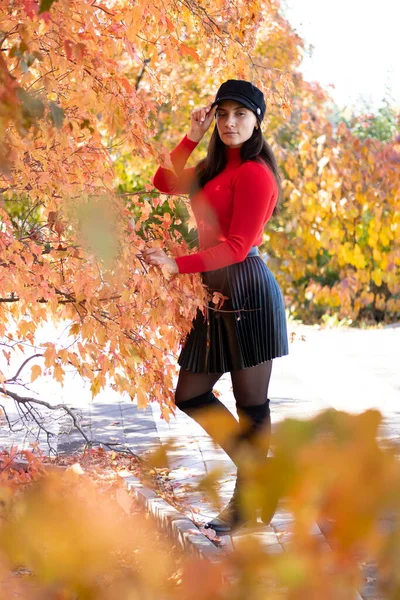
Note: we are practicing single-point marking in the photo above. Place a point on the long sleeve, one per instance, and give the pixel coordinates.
(179, 180)
(254, 199)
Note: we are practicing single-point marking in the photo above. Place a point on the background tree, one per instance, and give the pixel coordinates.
(336, 243)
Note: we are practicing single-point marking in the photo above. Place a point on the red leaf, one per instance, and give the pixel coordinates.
(31, 8)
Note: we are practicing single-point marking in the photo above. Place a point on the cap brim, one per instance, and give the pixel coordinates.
(242, 99)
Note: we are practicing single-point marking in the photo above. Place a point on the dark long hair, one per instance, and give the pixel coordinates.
(255, 148)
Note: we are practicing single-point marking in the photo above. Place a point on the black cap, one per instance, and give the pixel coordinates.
(244, 92)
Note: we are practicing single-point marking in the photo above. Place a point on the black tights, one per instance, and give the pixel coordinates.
(194, 396)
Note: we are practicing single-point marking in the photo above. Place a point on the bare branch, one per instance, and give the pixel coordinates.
(103, 9)
(27, 401)
(28, 407)
(140, 76)
(6, 417)
(21, 367)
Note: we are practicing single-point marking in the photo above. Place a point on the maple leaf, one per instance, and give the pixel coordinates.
(36, 372)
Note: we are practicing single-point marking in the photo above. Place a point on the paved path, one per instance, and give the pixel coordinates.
(348, 369)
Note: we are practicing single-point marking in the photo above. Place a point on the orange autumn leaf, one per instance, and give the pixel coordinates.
(36, 371)
(186, 50)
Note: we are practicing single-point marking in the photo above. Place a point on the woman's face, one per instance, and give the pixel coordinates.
(235, 123)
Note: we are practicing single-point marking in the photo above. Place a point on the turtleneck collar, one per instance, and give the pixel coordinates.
(233, 154)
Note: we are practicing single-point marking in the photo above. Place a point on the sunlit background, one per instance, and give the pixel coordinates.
(351, 44)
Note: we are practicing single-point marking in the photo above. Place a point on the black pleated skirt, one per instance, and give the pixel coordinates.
(247, 329)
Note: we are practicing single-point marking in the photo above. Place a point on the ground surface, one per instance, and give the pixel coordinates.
(348, 369)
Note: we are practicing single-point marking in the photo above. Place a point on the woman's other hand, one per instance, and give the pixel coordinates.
(157, 257)
(200, 121)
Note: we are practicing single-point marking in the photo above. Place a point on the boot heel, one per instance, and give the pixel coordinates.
(268, 510)
(234, 515)
(228, 519)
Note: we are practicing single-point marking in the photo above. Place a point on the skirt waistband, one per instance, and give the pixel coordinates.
(253, 251)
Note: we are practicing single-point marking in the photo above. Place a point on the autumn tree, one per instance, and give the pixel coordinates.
(93, 97)
(382, 124)
(83, 83)
(336, 244)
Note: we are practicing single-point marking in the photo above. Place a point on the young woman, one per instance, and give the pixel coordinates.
(233, 192)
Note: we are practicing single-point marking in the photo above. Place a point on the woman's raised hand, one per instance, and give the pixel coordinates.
(157, 257)
(200, 121)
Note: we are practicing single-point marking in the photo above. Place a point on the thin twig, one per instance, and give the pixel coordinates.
(23, 400)
(21, 367)
(103, 9)
(27, 407)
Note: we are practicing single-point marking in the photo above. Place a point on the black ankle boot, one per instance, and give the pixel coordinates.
(255, 425)
(233, 515)
(227, 520)
(255, 422)
(268, 511)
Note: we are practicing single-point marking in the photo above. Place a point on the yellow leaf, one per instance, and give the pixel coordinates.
(74, 329)
(58, 373)
(36, 372)
(49, 355)
(141, 398)
(63, 355)
(385, 236)
(24, 328)
(101, 336)
(376, 276)
(309, 171)
(95, 387)
(358, 259)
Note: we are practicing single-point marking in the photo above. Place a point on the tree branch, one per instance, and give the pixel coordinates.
(21, 367)
(103, 9)
(139, 77)
(28, 403)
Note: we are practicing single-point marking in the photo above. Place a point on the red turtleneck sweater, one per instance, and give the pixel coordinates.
(230, 211)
